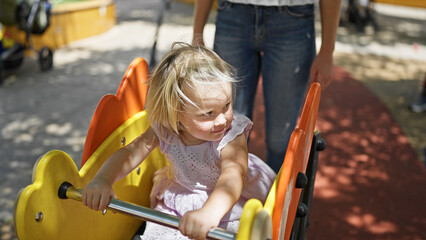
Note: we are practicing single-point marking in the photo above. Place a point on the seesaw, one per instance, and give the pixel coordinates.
(50, 207)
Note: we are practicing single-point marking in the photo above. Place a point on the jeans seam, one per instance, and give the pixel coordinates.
(298, 15)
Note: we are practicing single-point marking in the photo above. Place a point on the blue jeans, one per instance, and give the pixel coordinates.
(279, 43)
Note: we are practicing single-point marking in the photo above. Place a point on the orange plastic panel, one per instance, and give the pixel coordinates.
(295, 161)
(112, 110)
(308, 117)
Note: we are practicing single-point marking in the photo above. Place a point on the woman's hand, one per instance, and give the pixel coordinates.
(196, 224)
(198, 40)
(97, 194)
(322, 69)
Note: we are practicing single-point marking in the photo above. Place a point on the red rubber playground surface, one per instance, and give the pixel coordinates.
(370, 183)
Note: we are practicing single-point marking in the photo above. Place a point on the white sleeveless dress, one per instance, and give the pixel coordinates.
(187, 182)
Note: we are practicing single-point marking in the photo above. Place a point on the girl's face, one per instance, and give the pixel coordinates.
(210, 121)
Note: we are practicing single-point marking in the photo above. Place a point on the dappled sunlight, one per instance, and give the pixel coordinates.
(69, 55)
(75, 143)
(137, 13)
(6, 191)
(104, 68)
(363, 186)
(397, 83)
(59, 130)
(21, 131)
(395, 32)
(361, 158)
(326, 187)
(370, 223)
(27, 131)
(364, 67)
(13, 164)
(368, 163)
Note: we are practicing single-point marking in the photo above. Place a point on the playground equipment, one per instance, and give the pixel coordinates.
(46, 209)
(33, 18)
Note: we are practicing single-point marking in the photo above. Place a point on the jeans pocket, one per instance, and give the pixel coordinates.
(302, 11)
(223, 5)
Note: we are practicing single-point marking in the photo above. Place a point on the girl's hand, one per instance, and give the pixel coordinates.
(97, 194)
(196, 224)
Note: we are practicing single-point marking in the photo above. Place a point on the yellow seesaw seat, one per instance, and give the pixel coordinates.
(117, 121)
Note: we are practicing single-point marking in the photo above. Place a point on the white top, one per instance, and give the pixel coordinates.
(273, 2)
(186, 183)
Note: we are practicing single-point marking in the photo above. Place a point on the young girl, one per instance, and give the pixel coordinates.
(211, 175)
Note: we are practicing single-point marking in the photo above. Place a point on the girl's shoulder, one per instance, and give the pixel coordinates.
(241, 120)
(240, 125)
(165, 138)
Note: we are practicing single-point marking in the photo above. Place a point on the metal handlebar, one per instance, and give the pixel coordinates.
(68, 191)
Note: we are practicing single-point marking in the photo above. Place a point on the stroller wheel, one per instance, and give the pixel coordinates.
(45, 58)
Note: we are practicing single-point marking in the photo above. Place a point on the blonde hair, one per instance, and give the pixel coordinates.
(184, 66)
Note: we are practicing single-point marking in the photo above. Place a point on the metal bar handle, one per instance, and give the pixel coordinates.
(68, 191)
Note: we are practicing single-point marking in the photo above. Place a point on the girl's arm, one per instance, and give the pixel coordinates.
(97, 194)
(196, 224)
(201, 13)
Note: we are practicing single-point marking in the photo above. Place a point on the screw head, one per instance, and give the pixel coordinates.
(39, 217)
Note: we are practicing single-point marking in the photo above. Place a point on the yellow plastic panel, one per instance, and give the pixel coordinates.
(262, 226)
(270, 200)
(69, 219)
(251, 208)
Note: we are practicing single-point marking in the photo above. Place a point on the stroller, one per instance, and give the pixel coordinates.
(31, 16)
(361, 13)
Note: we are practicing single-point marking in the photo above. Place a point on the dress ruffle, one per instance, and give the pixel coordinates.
(240, 124)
